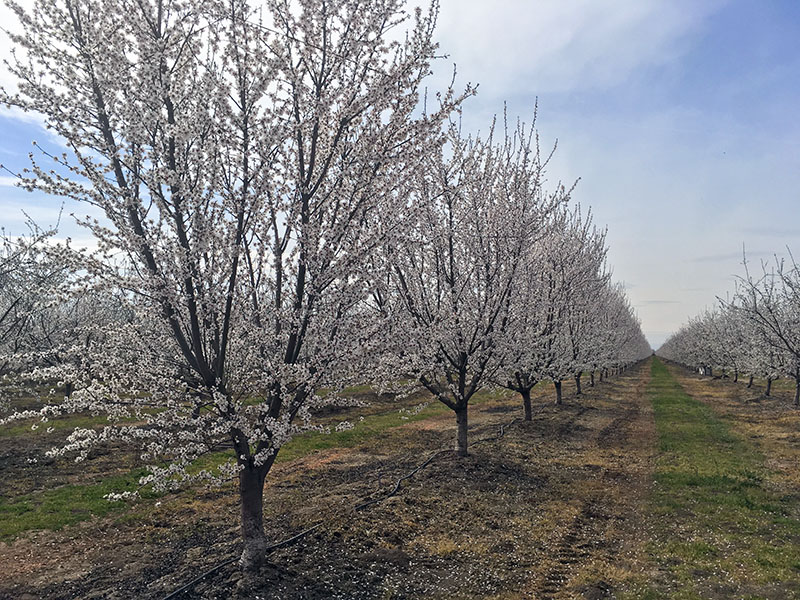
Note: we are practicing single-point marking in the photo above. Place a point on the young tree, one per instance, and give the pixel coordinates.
(575, 271)
(772, 303)
(249, 158)
(455, 278)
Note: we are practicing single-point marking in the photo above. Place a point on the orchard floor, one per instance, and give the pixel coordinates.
(575, 504)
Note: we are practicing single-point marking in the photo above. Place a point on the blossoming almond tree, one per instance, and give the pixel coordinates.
(565, 316)
(27, 276)
(616, 334)
(573, 267)
(536, 312)
(248, 157)
(484, 206)
(772, 303)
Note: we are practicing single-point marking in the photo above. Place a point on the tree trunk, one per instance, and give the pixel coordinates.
(797, 387)
(769, 386)
(461, 441)
(526, 403)
(578, 390)
(601, 375)
(735, 375)
(251, 496)
(557, 385)
(591, 378)
(750, 383)
(68, 388)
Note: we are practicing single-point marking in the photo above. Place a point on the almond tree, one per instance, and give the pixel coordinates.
(615, 335)
(27, 278)
(249, 158)
(691, 345)
(565, 316)
(772, 303)
(759, 357)
(757, 332)
(483, 205)
(530, 344)
(575, 270)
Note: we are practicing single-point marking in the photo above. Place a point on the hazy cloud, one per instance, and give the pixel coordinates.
(556, 46)
(770, 231)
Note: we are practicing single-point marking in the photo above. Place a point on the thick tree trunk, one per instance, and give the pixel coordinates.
(578, 390)
(750, 382)
(461, 440)
(591, 379)
(68, 388)
(601, 375)
(769, 386)
(557, 385)
(251, 496)
(526, 403)
(797, 388)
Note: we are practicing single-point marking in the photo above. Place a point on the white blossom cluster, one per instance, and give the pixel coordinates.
(755, 333)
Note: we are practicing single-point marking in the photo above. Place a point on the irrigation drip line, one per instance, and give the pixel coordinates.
(400, 481)
(211, 571)
(289, 541)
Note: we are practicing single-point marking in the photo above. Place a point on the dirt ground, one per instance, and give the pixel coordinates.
(549, 510)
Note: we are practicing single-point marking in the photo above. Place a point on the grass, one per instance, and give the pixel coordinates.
(70, 422)
(70, 504)
(718, 528)
(64, 505)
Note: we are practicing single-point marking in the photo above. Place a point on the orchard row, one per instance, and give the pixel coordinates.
(755, 334)
(282, 211)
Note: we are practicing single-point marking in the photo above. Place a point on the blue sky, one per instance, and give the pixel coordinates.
(679, 116)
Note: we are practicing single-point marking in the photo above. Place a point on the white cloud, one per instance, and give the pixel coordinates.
(562, 46)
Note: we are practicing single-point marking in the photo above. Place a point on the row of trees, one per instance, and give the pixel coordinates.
(755, 333)
(285, 214)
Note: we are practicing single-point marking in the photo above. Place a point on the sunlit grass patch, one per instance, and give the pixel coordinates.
(66, 422)
(64, 505)
(716, 521)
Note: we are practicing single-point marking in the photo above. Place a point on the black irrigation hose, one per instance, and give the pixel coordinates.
(361, 506)
(199, 578)
(216, 568)
(399, 481)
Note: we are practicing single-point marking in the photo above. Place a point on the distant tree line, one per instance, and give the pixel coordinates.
(753, 334)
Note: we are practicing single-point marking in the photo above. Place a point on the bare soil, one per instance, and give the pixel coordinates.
(550, 509)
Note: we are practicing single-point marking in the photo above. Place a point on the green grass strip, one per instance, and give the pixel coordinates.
(64, 505)
(717, 528)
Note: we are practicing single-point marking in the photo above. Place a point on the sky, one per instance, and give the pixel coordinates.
(679, 117)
